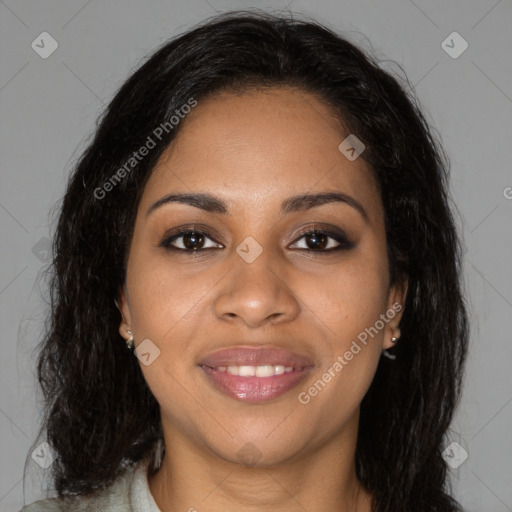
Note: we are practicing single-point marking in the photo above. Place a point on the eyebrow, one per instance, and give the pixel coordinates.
(212, 204)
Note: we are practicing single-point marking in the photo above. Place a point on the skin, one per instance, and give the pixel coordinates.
(254, 151)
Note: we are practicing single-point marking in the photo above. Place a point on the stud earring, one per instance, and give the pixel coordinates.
(394, 341)
(129, 342)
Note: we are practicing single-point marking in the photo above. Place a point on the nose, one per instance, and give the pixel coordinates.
(256, 293)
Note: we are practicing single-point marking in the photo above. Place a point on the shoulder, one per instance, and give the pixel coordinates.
(49, 505)
(114, 498)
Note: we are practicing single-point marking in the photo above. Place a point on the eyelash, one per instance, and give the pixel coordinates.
(341, 239)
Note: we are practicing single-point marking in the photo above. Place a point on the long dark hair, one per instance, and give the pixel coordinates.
(99, 414)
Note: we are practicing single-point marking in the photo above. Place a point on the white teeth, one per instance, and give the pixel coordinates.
(266, 370)
(233, 370)
(246, 371)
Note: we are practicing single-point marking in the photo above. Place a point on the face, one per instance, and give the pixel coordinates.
(250, 275)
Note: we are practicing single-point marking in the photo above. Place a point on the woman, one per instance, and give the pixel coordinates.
(263, 217)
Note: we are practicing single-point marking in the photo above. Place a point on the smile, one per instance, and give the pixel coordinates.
(247, 384)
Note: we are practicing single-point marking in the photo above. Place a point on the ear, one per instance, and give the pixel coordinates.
(394, 312)
(124, 309)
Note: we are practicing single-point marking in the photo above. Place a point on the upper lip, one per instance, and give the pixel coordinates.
(255, 356)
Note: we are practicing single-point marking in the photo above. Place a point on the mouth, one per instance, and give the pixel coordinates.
(255, 375)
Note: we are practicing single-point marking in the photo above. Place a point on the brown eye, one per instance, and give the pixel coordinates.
(192, 241)
(318, 240)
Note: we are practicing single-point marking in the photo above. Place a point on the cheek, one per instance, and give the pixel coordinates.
(346, 307)
(164, 300)
(168, 309)
(347, 297)
(349, 357)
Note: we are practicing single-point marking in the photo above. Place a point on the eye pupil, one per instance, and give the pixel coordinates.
(319, 240)
(192, 240)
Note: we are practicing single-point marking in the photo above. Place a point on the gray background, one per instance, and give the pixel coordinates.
(48, 109)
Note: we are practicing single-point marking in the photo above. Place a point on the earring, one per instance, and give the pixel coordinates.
(394, 340)
(129, 342)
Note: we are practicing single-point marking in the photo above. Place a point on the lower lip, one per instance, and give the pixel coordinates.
(254, 389)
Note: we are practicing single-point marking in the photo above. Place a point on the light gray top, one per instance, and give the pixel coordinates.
(129, 493)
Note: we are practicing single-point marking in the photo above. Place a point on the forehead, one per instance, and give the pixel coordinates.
(260, 146)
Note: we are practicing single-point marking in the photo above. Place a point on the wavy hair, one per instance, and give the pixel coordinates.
(99, 414)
